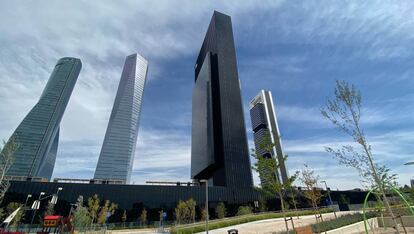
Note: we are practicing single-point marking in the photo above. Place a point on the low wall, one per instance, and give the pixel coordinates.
(408, 221)
(355, 206)
(355, 228)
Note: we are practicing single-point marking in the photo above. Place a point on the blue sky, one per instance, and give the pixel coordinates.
(296, 49)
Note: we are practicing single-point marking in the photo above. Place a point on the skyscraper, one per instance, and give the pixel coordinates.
(264, 125)
(118, 149)
(37, 136)
(219, 150)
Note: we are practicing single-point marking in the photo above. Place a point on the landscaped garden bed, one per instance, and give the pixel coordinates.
(341, 222)
(215, 224)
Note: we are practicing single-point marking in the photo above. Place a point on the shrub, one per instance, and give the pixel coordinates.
(221, 210)
(244, 210)
(340, 222)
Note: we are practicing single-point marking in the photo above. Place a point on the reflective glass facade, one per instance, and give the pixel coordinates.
(264, 124)
(118, 149)
(219, 150)
(38, 133)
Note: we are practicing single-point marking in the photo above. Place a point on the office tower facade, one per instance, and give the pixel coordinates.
(118, 149)
(37, 136)
(266, 129)
(219, 150)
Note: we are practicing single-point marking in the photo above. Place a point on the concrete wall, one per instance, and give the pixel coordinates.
(408, 221)
(355, 228)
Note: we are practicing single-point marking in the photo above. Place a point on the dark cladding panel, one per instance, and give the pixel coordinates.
(202, 146)
(151, 196)
(258, 117)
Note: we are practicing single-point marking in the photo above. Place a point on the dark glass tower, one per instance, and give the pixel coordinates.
(219, 150)
(37, 136)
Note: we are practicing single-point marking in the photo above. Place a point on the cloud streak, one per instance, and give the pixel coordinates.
(295, 49)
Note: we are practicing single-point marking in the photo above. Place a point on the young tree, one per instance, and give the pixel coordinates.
(268, 168)
(124, 217)
(49, 209)
(2, 213)
(203, 214)
(262, 204)
(11, 207)
(310, 180)
(106, 210)
(344, 111)
(81, 217)
(191, 205)
(221, 210)
(93, 207)
(80, 214)
(244, 210)
(6, 160)
(143, 216)
(292, 191)
(180, 212)
(185, 211)
(412, 195)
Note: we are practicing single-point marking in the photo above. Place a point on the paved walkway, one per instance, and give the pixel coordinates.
(275, 225)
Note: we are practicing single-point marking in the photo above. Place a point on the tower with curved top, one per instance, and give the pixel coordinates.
(37, 136)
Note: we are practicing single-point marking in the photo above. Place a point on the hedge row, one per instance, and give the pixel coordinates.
(341, 221)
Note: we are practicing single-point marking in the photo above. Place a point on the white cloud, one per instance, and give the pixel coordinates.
(34, 35)
(392, 149)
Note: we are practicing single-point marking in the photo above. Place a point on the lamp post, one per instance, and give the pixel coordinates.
(329, 195)
(55, 197)
(27, 199)
(36, 206)
(24, 208)
(206, 182)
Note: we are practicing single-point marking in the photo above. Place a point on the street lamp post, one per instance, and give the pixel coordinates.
(24, 207)
(27, 199)
(206, 182)
(55, 197)
(36, 206)
(329, 195)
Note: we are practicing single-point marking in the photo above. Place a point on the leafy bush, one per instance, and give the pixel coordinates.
(340, 222)
(244, 210)
(221, 210)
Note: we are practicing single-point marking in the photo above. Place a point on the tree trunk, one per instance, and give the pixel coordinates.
(294, 204)
(361, 140)
(282, 204)
(381, 188)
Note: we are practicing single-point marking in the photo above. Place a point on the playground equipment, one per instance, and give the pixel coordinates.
(373, 191)
(8, 220)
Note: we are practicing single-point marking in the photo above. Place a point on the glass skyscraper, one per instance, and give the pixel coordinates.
(264, 125)
(118, 149)
(37, 136)
(219, 150)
